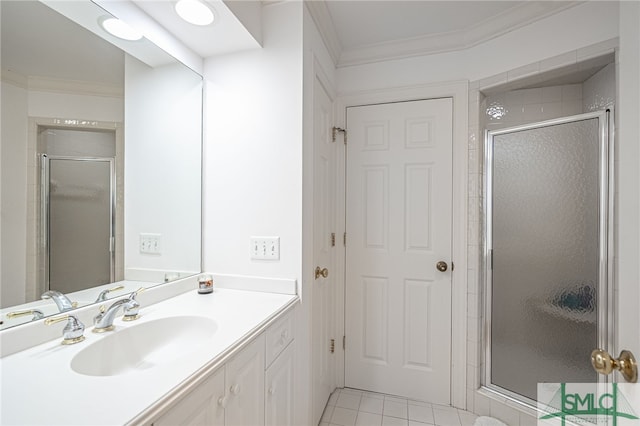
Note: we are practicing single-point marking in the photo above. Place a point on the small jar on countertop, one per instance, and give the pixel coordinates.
(205, 284)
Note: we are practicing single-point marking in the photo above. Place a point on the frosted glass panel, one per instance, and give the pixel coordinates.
(79, 224)
(545, 237)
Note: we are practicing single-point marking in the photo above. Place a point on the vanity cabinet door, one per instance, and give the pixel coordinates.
(245, 386)
(202, 406)
(279, 388)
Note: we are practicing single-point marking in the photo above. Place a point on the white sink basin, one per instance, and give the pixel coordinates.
(143, 346)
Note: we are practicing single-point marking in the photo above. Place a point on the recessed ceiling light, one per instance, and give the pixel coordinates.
(194, 12)
(119, 29)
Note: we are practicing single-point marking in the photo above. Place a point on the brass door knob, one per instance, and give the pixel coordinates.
(442, 266)
(324, 272)
(604, 363)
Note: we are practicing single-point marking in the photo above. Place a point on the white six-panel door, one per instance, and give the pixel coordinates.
(324, 178)
(398, 222)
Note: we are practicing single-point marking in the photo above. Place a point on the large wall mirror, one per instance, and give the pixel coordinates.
(100, 161)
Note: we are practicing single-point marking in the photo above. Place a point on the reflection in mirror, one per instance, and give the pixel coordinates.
(100, 161)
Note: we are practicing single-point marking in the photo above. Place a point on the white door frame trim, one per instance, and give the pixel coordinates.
(458, 91)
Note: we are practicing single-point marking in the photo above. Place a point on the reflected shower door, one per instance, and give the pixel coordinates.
(79, 228)
(546, 252)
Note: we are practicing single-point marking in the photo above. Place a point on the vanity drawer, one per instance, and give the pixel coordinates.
(279, 335)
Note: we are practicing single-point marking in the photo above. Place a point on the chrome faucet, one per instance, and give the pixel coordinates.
(72, 332)
(104, 320)
(62, 301)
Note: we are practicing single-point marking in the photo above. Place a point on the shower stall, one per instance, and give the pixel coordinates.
(77, 208)
(78, 222)
(547, 250)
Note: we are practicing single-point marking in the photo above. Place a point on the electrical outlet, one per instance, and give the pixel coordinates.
(265, 248)
(151, 243)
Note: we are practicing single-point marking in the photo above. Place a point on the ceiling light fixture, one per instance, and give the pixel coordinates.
(194, 12)
(120, 29)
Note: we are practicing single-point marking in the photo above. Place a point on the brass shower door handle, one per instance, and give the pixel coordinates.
(604, 363)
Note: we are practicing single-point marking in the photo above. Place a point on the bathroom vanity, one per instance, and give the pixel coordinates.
(225, 358)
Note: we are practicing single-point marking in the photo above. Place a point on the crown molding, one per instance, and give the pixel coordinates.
(76, 87)
(15, 79)
(322, 18)
(56, 85)
(486, 30)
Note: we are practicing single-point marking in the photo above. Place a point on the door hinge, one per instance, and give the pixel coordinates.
(333, 239)
(344, 342)
(335, 131)
(332, 346)
(491, 259)
(344, 239)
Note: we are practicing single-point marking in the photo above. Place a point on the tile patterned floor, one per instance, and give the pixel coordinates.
(350, 407)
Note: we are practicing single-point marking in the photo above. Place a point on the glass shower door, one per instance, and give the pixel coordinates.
(79, 222)
(546, 248)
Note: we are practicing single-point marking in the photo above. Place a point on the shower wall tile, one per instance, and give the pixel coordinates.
(473, 377)
(505, 413)
(472, 281)
(531, 96)
(525, 106)
(598, 49)
(552, 94)
(599, 91)
(572, 92)
(572, 107)
(493, 81)
(524, 71)
(551, 110)
(559, 61)
(473, 354)
(472, 305)
(528, 420)
(482, 405)
(473, 334)
(474, 142)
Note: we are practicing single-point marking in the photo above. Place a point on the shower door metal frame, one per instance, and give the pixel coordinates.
(605, 314)
(45, 212)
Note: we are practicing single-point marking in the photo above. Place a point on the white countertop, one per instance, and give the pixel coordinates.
(38, 385)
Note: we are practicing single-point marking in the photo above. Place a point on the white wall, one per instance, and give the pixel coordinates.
(574, 28)
(253, 161)
(162, 168)
(13, 180)
(253, 150)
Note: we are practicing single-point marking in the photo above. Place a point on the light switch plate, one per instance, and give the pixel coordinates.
(151, 243)
(265, 248)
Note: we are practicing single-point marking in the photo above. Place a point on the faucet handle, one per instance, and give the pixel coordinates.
(37, 314)
(132, 308)
(133, 295)
(103, 294)
(72, 332)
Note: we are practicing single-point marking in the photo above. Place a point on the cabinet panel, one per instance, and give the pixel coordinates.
(199, 407)
(279, 389)
(279, 335)
(245, 386)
